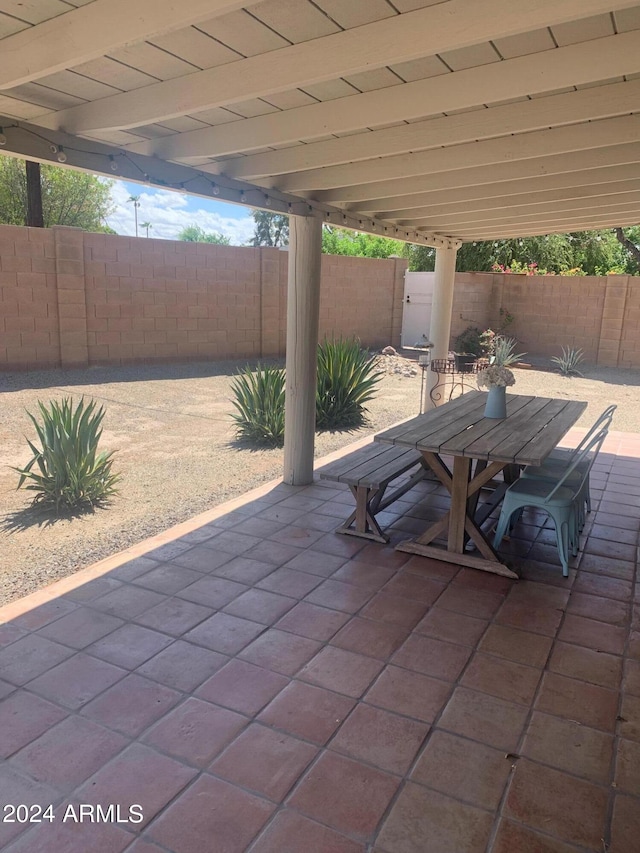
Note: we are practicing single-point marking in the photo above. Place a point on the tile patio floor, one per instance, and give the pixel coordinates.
(262, 684)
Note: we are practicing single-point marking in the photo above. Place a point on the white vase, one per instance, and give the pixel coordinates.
(496, 405)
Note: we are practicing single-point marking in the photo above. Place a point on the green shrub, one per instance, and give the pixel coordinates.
(503, 351)
(347, 378)
(567, 363)
(469, 342)
(259, 400)
(70, 474)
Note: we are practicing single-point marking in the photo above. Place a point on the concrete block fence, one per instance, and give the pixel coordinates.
(69, 298)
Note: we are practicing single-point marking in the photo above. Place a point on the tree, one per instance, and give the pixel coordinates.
(629, 238)
(68, 197)
(146, 225)
(196, 234)
(135, 200)
(341, 241)
(271, 229)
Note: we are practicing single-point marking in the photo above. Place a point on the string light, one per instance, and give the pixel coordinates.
(243, 198)
(267, 201)
(3, 138)
(62, 157)
(112, 163)
(215, 189)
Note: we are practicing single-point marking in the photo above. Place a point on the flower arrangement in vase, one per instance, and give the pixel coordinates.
(496, 378)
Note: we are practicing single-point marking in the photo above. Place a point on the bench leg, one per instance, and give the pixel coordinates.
(362, 522)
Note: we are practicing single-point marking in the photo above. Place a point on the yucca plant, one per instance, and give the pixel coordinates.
(66, 471)
(259, 400)
(567, 363)
(503, 351)
(347, 377)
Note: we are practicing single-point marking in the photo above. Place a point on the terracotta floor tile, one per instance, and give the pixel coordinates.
(424, 821)
(67, 754)
(75, 837)
(625, 824)
(587, 703)
(213, 809)
(316, 563)
(183, 666)
(519, 646)
(129, 646)
(24, 717)
(242, 687)
(264, 761)
(378, 737)
(168, 551)
(598, 608)
(212, 591)
(29, 657)
(296, 534)
(17, 788)
(340, 596)
(538, 594)
(134, 568)
(367, 637)
(484, 581)
(609, 548)
(244, 570)
(260, 527)
(392, 608)
(168, 578)
(224, 633)
(605, 534)
(232, 541)
(80, 628)
(610, 520)
(290, 582)
(451, 626)
(201, 559)
(408, 585)
(174, 616)
(312, 621)
(515, 838)
(629, 726)
(603, 587)
(569, 746)
(627, 775)
(383, 555)
(484, 718)
(132, 705)
(275, 553)
(280, 651)
(471, 602)
(290, 832)
(463, 769)
(9, 633)
(502, 678)
(363, 574)
(128, 601)
(607, 566)
(344, 794)
(539, 619)
(195, 731)
(631, 683)
(586, 665)
(282, 514)
(344, 672)
(339, 546)
(592, 634)
(92, 589)
(569, 808)
(77, 680)
(409, 693)
(260, 606)
(433, 657)
(307, 712)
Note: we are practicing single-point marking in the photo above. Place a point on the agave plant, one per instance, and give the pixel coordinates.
(259, 400)
(567, 363)
(67, 471)
(503, 351)
(347, 377)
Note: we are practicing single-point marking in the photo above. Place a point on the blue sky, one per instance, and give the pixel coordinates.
(169, 212)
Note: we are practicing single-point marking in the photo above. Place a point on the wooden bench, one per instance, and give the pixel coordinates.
(368, 472)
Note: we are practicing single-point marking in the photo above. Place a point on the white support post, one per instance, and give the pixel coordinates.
(303, 310)
(440, 329)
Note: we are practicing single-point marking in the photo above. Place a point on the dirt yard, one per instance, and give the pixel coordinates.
(174, 438)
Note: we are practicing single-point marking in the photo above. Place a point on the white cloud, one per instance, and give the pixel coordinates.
(170, 212)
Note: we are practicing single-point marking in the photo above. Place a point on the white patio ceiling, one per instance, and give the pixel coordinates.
(435, 121)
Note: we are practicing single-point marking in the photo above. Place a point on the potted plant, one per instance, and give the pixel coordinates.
(496, 378)
(468, 348)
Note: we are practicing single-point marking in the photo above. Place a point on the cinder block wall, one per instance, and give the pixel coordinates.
(71, 298)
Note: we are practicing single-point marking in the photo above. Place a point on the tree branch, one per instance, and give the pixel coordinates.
(626, 242)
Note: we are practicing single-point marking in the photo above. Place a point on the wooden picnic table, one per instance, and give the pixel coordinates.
(531, 430)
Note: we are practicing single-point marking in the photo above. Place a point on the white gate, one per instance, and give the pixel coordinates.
(416, 313)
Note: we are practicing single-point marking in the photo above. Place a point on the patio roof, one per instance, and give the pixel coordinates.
(395, 703)
(436, 122)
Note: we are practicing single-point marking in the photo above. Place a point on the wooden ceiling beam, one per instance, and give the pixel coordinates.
(536, 230)
(94, 30)
(371, 195)
(576, 64)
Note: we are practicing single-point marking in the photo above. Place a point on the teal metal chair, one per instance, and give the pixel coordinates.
(561, 499)
(560, 459)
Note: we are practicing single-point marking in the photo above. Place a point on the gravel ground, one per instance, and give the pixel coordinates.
(176, 452)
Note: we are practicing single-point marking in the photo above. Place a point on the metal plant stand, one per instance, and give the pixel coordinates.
(451, 380)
